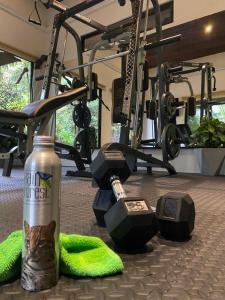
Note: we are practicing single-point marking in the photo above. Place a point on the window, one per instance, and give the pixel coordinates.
(65, 127)
(95, 109)
(116, 128)
(15, 76)
(194, 122)
(218, 112)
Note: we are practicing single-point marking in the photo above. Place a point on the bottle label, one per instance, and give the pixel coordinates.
(38, 187)
(39, 259)
(40, 230)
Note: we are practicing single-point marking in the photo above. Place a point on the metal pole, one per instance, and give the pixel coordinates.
(209, 90)
(124, 130)
(97, 61)
(51, 60)
(91, 59)
(79, 48)
(148, 46)
(158, 25)
(86, 20)
(202, 92)
(78, 8)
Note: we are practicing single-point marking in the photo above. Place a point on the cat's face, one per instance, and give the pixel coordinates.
(39, 241)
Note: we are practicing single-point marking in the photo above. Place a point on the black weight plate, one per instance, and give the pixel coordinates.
(170, 142)
(81, 115)
(191, 105)
(151, 109)
(169, 104)
(86, 139)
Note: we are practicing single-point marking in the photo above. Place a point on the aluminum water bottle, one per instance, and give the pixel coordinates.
(40, 253)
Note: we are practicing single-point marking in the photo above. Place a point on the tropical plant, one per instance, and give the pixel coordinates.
(210, 133)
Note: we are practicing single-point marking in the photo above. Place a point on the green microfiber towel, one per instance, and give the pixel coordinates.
(10, 256)
(87, 256)
(82, 256)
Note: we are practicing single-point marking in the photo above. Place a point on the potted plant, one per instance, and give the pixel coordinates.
(210, 137)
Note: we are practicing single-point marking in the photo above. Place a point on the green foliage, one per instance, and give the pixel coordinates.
(94, 109)
(211, 134)
(13, 96)
(65, 128)
(194, 122)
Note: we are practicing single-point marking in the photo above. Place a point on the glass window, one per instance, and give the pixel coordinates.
(65, 127)
(194, 122)
(116, 127)
(15, 76)
(218, 112)
(95, 109)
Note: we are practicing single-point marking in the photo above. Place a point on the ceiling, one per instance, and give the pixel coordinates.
(202, 37)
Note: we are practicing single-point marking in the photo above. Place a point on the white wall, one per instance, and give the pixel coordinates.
(17, 33)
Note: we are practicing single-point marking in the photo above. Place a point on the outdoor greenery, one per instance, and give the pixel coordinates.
(13, 96)
(16, 96)
(210, 133)
(65, 128)
(194, 122)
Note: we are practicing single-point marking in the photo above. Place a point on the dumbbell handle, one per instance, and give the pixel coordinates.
(118, 189)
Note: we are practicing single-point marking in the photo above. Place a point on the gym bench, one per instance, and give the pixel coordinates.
(35, 117)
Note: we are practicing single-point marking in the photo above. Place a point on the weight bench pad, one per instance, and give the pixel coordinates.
(41, 107)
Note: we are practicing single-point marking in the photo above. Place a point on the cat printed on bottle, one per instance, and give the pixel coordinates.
(39, 267)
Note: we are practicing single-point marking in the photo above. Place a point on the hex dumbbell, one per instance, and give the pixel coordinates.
(175, 213)
(130, 222)
(105, 164)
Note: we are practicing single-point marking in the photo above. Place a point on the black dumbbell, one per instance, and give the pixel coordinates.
(105, 164)
(175, 213)
(104, 200)
(130, 222)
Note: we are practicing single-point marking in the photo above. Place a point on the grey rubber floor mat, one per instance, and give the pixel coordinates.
(165, 270)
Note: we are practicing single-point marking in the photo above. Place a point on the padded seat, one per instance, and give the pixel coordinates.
(12, 114)
(38, 108)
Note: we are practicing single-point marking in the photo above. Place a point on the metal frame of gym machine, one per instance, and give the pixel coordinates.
(65, 13)
(207, 70)
(131, 152)
(172, 135)
(60, 21)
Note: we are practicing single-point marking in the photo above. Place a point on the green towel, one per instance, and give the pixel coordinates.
(82, 256)
(10, 256)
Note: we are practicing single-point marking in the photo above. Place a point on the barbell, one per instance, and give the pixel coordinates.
(146, 47)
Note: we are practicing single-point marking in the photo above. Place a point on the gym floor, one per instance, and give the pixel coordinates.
(164, 270)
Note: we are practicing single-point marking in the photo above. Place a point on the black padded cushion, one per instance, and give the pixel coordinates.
(38, 108)
(10, 114)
